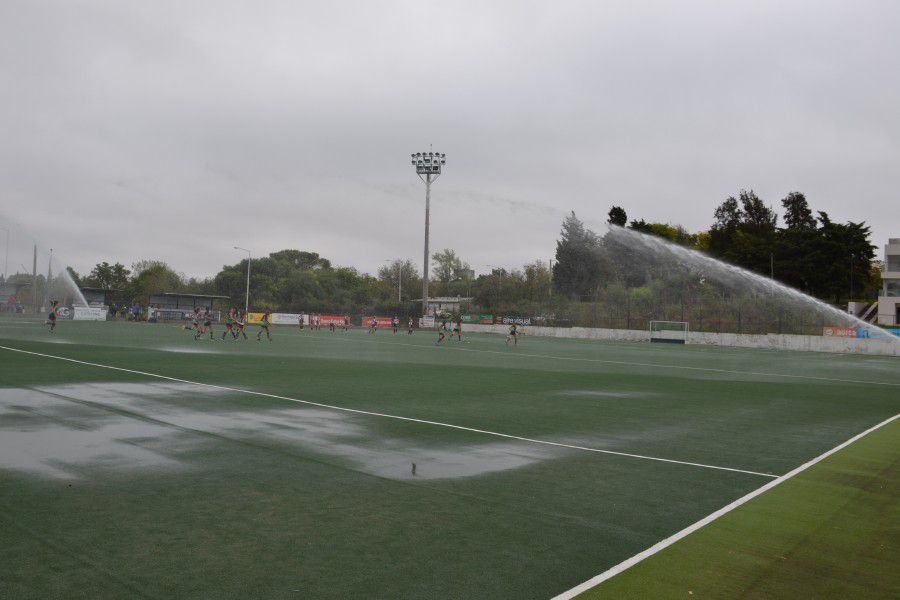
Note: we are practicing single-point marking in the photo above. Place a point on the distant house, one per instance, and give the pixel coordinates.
(446, 304)
(98, 296)
(889, 300)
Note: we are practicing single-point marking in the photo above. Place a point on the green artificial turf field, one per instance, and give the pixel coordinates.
(115, 483)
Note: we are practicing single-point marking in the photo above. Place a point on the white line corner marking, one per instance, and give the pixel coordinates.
(628, 563)
(397, 417)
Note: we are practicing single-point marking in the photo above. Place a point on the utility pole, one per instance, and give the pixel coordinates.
(6, 260)
(428, 168)
(851, 278)
(550, 287)
(49, 278)
(247, 293)
(34, 298)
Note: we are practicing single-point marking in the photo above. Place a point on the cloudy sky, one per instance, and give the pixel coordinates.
(177, 130)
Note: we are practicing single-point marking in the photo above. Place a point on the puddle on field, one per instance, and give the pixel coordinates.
(61, 431)
(601, 394)
(189, 349)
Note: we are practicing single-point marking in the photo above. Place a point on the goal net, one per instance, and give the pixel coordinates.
(671, 332)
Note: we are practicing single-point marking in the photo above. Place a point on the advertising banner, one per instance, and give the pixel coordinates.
(847, 332)
(338, 320)
(426, 322)
(254, 318)
(64, 312)
(892, 331)
(516, 320)
(381, 321)
(480, 319)
(89, 313)
(286, 319)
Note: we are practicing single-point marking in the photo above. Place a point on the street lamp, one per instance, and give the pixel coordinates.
(399, 278)
(247, 296)
(428, 168)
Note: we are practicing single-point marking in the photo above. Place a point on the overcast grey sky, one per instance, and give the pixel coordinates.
(177, 130)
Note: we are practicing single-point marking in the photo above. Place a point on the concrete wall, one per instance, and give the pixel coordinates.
(772, 341)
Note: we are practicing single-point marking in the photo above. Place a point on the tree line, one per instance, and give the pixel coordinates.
(801, 248)
(810, 252)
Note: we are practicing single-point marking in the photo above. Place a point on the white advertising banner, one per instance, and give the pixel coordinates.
(426, 322)
(89, 313)
(288, 319)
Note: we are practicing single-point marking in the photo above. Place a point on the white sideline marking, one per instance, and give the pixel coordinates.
(626, 564)
(389, 416)
(624, 363)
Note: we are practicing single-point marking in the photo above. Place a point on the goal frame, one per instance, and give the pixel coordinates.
(669, 335)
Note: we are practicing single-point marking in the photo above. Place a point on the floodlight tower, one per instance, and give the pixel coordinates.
(428, 168)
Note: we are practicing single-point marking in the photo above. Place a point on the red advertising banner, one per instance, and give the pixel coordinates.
(326, 320)
(847, 332)
(381, 321)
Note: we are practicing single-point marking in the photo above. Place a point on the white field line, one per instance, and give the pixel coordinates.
(632, 364)
(626, 564)
(389, 416)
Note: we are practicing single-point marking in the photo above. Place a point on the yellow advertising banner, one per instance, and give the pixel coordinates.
(254, 318)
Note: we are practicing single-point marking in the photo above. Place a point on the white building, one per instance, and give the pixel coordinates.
(444, 305)
(889, 301)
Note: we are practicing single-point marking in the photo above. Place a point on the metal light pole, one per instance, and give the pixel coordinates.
(247, 296)
(6, 261)
(49, 278)
(428, 168)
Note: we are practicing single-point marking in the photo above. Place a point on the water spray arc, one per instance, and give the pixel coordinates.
(657, 249)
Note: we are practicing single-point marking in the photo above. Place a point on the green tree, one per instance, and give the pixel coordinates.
(449, 267)
(578, 267)
(110, 277)
(617, 216)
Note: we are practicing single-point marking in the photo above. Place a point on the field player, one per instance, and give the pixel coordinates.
(513, 335)
(51, 316)
(264, 326)
(207, 323)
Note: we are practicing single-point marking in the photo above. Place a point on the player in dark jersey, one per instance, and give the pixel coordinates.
(229, 324)
(195, 321)
(207, 323)
(373, 325)
(457, 330)
(240, 325)
(195, 324)
(346, 323)
(395, 324)
(264, 326)
(332, 326)
(513, 335)
(51, 316)
(442, 332)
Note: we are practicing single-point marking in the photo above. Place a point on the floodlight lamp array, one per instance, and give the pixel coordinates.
(428, 163)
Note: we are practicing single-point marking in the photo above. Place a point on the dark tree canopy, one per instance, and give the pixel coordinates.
(577, 270)
(617, 216)
(797, 214)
